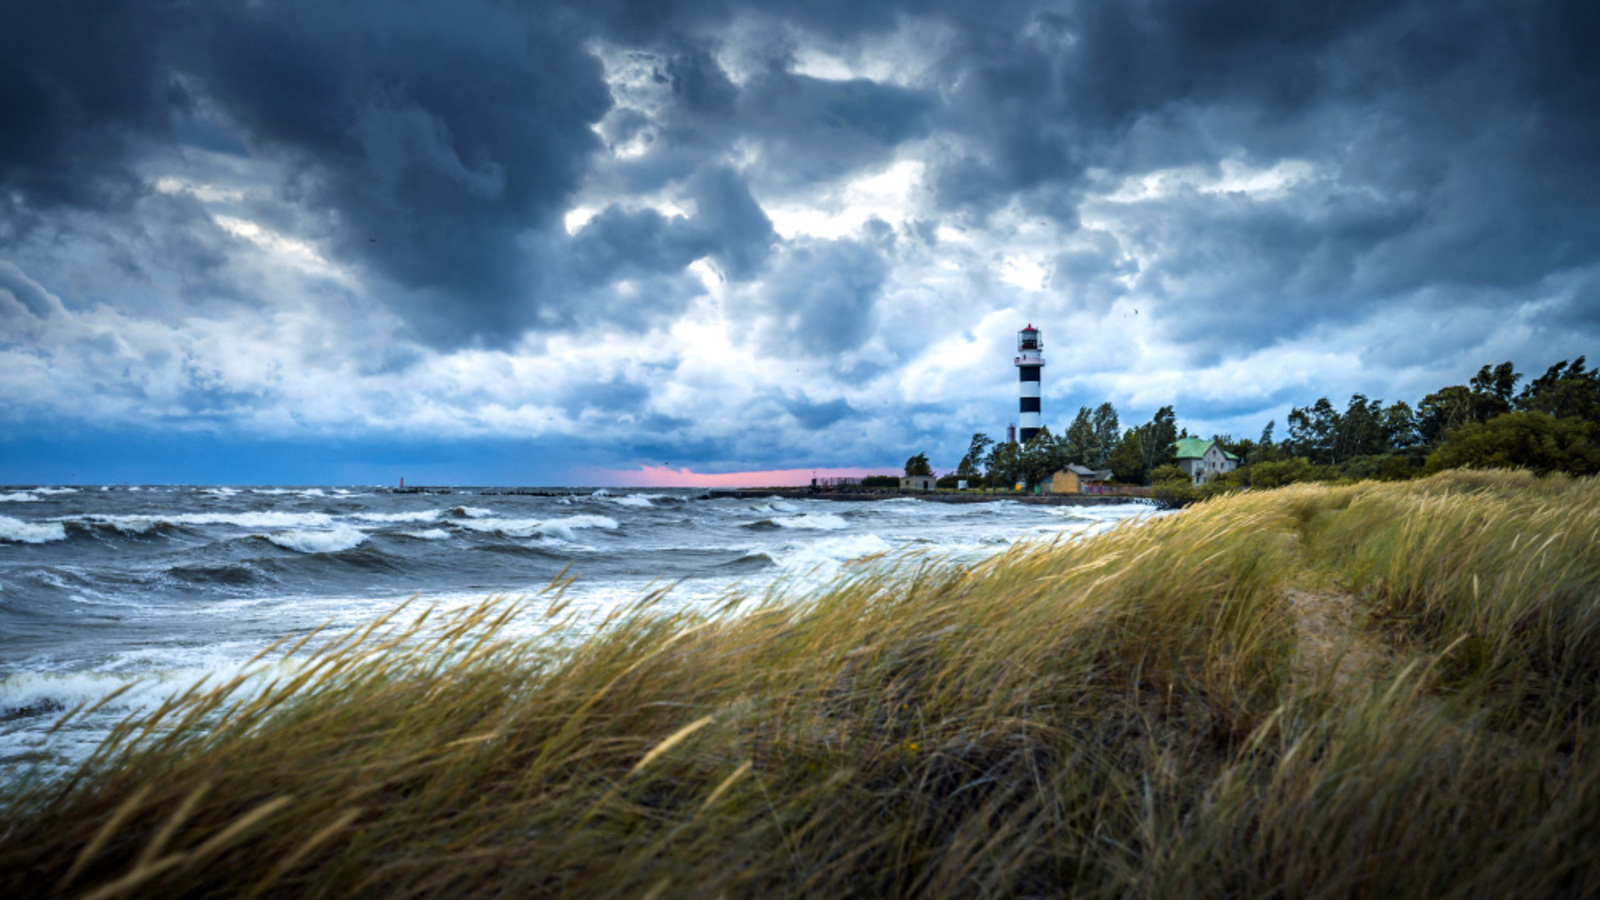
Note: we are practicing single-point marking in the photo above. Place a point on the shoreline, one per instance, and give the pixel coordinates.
(932, 496)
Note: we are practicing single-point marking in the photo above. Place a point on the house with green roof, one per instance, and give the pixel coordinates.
(1203, 460)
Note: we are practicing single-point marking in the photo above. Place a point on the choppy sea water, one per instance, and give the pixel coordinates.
(163, 586)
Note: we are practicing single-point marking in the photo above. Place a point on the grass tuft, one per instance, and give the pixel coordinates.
(1369, 689)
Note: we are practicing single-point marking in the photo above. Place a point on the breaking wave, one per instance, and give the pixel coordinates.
(334, 540)
(523, 528)
(804, 521)
(18, 531)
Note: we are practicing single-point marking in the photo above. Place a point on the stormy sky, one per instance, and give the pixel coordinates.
(488, 241)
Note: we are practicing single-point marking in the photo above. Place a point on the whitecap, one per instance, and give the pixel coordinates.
(253, 519)
(19, 497)
(812, 522)
(471, 512)
(560, 527)
(53, 694)
(429, 534)
(143, 524)
(22, 532)
(55, 490)
(811, 564)
(776, 505)
(334, 540)
(421, 515)
(635, 500)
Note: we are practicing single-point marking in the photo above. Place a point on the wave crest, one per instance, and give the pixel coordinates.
(18, 531)
(334, 540)
(561, 527)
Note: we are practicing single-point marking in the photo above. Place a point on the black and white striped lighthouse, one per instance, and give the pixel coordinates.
(1030, 360)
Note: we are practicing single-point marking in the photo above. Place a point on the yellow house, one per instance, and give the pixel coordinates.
(1073, 479)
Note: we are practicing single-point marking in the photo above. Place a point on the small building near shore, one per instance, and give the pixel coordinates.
(918, 482)
(1203, 460)
(1076, 479)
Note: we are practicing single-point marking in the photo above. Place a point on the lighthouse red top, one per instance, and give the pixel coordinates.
(1028, 339)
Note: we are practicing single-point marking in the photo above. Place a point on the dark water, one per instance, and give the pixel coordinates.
(165, 585)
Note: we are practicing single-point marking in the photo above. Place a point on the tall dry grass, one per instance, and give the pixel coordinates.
(1132, 714)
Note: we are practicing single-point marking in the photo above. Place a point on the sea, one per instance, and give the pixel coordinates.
(166, 586)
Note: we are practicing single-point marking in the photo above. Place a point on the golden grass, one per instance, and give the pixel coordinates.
(1168, 709)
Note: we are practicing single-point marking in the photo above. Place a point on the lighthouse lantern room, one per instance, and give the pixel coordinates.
(1030, 360)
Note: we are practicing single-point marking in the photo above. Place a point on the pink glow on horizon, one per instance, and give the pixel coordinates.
(661, 476)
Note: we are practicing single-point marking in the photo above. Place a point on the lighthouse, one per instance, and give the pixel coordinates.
(1030, 360)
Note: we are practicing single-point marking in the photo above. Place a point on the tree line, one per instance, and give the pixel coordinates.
(1548, 424)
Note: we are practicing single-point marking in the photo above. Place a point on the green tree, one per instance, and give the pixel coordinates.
(1400, 427)
(1444, 409)
(1492, 390)
(1360, 430)
(1003, 464)
(1156, 438)
(1170, 485)
(1313, 431)
(1105, 434)
(1266, 450)
(1042, 456)
(1080, 443)
(1522, 440)
(918, 465)
(1565, 390)
(971, 464)
(1127, 459)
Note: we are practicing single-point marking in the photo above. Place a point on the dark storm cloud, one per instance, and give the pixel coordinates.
(817, 129)
(728, 226)
(79, 85)
(439, 134)
(819, 299)
(807, 129)
(437, 146)
(1457, 142)
(813, 416)
(432, 136)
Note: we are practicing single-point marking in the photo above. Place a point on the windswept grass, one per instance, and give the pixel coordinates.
(1133, 714)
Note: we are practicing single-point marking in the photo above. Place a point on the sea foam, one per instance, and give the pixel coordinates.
(812, 522)
(635, 500)
(21, 532)
(421, 515)
(260, 519)
(559, 527)
(335, 540)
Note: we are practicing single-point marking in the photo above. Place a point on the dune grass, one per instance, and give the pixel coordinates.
(1158, 711)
